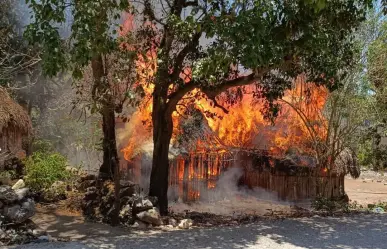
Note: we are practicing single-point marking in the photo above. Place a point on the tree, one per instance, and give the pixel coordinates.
(15, 56)
(93, 42)
(228, 44)
(377, 67)
(377, 75)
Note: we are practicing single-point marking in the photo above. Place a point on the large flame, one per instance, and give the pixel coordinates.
(299, 124)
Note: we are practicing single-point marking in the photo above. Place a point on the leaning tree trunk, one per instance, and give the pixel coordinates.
(110, 156)
(100, 86)
(162, 133)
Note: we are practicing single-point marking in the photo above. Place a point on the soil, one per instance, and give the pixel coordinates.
(370, 188)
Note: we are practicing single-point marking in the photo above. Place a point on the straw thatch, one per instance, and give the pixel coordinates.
(347, 163)
(12, 115)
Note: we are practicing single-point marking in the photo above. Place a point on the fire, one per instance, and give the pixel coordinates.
(244, 126)
(299, 125)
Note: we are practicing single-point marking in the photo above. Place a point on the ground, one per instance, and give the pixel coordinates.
(371, 187)
(361, 231)
(356, 231)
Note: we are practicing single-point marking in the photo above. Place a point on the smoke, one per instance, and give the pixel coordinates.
(229, 198)
(226, 186)
(73, 132)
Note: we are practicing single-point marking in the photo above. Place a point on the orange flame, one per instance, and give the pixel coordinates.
(244, 126)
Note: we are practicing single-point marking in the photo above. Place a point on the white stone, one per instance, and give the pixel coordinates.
(19, 184)
(151, 216)
(147, 203)
(185, 224)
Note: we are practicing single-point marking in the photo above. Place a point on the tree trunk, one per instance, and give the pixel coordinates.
(100, 86)
(110, 156)
(162, 134)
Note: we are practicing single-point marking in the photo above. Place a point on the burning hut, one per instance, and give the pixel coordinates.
(15, 125)
(287, 158)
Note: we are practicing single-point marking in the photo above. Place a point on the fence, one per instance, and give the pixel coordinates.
(192, 176)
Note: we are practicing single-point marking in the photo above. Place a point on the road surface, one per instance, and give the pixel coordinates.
(358, 231)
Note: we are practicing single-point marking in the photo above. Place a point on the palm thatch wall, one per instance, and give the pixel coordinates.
(15, 124)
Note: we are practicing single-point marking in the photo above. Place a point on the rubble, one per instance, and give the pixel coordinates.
(98, 203)
(172, 222)
(16, 209)
(22, 193)
(55, 193)
(19, 213)
(151, 216)
(7, 194)
(141, 225)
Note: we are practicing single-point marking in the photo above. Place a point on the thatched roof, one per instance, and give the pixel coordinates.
(347, 163)
(12, 114)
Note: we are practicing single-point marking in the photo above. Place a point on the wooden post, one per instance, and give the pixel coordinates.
(206, 167)
(186, 178)
(117, 203)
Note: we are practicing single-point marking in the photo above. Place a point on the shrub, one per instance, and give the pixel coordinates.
(332, 205)
(45, 168)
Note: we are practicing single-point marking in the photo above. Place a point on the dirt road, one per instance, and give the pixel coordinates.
(365, 231)
(357, 232)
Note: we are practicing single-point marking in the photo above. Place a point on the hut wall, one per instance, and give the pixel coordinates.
(296, 187)
(11, 140)
(190, 176)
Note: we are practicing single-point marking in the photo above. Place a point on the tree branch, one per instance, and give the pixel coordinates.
(212, 92)
(190, 47)
(216, 104)
(190, 3)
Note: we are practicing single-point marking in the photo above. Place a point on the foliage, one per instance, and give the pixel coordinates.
(379, 204)
(377, 63)
(15, 56)
(331, 205)
(93, 50)
(353, 111)
(91, 31)
(324, 204)
(372, 152)
(45, 168)
(365, 153)
(94, 26)
(42, 145)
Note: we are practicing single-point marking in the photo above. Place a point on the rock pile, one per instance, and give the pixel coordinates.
(135, 210)
(16, 209)
(98, 203)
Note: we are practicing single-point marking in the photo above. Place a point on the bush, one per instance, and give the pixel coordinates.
(45, 168)
(331, 205)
